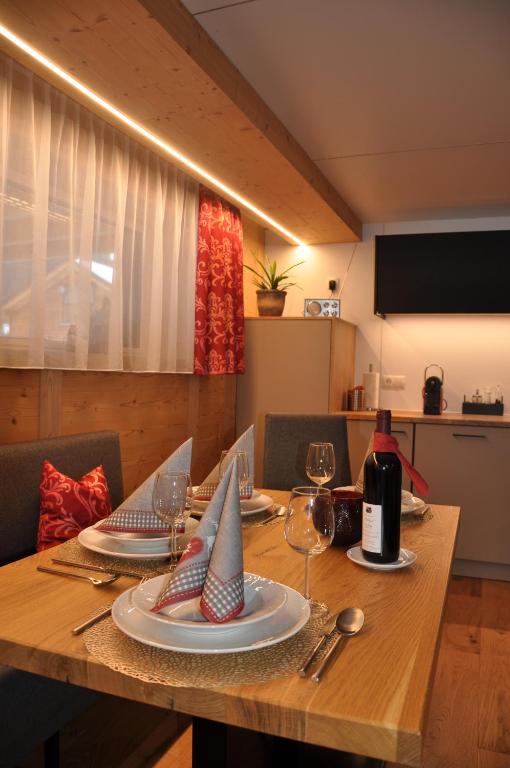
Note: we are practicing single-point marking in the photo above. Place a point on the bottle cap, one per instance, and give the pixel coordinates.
(383, 422)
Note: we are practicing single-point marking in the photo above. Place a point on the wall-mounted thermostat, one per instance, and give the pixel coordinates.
(322, 307)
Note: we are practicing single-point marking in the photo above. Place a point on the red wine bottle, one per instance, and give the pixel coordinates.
(382, 494)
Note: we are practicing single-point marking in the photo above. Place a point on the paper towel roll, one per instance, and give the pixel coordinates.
(371, 385)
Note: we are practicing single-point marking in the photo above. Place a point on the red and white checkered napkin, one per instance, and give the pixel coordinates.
(212, 563)
(209, 485)
(135, 514)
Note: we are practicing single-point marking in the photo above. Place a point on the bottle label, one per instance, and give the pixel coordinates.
(372, 529)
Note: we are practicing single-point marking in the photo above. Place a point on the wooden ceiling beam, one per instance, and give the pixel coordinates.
(152, 60)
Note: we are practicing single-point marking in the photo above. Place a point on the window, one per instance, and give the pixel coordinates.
(98, 240)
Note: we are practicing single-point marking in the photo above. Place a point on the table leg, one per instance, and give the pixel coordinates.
(216, 745)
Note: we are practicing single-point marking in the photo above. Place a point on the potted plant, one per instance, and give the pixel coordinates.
(271, 286)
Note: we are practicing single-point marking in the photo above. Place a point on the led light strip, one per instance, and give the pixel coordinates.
(196, 169)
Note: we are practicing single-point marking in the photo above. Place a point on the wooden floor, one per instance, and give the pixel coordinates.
(469, 721)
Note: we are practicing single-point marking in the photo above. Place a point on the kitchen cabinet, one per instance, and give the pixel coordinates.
(467, 466)
(293, 365)
(360, 431)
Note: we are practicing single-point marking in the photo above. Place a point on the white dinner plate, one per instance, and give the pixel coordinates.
(409, 502)
(257, 503)
(262, 598)
(285, 623)
(141, 549)
(406, 558)
(412, 506)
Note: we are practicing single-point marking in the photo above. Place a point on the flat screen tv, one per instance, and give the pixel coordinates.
(451, 272)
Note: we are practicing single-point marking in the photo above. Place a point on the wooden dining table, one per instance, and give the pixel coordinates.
(372, 700)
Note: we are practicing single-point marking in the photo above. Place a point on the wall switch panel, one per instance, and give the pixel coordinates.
(392, 381)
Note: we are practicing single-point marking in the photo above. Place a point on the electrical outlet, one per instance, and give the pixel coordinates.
(333, 284)
(392, 381)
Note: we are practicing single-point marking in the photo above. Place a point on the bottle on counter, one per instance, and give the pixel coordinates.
(382, 490)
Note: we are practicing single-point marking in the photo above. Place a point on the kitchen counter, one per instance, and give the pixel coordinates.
(464, 460)
(417, 417)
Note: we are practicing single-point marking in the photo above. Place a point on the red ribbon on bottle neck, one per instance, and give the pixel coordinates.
(384, 443)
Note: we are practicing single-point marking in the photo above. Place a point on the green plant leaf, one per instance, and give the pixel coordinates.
(267, 279)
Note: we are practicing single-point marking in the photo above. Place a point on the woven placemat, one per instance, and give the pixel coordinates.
(73, 551)
(411, 518)
(153, 665)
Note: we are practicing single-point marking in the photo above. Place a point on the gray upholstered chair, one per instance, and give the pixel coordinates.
(286, 444)
(35, 708)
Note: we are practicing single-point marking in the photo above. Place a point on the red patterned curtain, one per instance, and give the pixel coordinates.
(219, 311)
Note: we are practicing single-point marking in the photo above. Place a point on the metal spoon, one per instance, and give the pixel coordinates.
(348, 623)
(91, 579)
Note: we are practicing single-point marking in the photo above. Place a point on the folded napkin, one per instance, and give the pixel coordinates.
(212, 563)
(135, 514)
(244, 443)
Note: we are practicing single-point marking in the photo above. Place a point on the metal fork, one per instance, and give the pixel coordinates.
(82, 577)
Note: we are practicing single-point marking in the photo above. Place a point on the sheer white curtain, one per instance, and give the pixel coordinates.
(98, 240)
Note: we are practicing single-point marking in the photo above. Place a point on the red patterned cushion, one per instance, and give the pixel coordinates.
(68, 506)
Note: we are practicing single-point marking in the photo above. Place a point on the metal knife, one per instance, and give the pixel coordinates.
(93, 620)
(100, 568)
(327, 631)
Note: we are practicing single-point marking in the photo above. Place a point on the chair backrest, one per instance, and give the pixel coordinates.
(20, 477)
(286, 445)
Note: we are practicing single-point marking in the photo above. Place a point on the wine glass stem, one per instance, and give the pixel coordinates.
(173, 546)
(307, 578)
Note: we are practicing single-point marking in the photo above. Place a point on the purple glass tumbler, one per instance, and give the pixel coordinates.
(348, 507)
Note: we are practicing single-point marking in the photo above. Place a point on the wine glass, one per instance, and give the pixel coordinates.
(243, 469)
(170, 503)
(309, 524)
(320, 462)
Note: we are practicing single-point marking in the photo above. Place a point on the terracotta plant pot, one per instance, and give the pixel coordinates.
(271, 302)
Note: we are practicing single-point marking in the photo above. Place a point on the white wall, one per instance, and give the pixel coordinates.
(474, 350)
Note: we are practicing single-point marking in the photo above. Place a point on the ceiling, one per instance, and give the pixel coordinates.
(152, 60)
(402, 104)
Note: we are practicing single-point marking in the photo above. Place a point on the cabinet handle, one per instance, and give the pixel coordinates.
(398, 432)
(475, 437)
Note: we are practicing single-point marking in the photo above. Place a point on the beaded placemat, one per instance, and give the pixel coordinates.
(155, 665)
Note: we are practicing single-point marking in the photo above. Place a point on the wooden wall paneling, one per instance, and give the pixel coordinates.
(154, 61)
(148, 410)
(216, 422)
(254, 248)
(50, 403)
(19, 405)
(153, 413)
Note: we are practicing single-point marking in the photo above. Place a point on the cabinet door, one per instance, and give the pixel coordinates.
(287, 371)
(468, 467)
(360, 432)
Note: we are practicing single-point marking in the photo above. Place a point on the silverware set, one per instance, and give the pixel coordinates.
(96, 582)
(343, 624)
(279, 511)
(110, 579)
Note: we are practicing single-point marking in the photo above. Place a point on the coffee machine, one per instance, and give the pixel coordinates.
(433, 402)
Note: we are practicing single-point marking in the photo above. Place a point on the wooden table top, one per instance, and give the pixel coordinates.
(372, 700)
